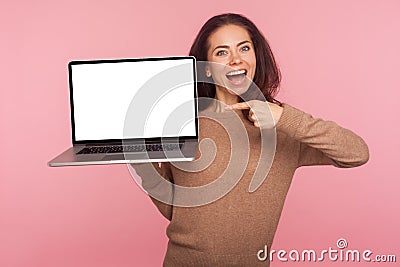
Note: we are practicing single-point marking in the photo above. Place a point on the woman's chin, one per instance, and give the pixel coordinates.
(238, 88)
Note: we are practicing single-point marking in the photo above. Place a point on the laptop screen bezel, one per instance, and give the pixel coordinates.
(132, 140)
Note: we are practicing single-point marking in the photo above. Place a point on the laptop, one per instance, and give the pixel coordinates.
(132, 111)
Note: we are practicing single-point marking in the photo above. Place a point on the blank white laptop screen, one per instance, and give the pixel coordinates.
(103, 93)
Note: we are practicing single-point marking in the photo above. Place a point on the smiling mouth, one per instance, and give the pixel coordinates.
(237, 76)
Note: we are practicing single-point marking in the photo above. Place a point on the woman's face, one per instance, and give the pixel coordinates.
(231, 47)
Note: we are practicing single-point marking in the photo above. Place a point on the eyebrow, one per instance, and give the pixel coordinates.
(227, 46)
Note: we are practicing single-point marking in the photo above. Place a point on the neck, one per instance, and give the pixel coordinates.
(222, 94)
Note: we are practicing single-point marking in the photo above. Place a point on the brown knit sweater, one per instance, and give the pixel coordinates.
(231, 230)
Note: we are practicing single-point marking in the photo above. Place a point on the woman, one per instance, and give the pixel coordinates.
(232, 229)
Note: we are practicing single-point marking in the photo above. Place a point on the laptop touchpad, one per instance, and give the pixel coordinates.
(115, 157)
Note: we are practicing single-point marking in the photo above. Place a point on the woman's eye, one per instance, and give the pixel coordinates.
(245, 48)
(221, 53)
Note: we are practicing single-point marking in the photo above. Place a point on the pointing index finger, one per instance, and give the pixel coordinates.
(241, 105)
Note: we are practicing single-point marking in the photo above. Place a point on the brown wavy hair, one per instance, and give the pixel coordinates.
(267, 77)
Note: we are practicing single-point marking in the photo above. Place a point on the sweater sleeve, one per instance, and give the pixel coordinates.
(322, 142)
(152, 175)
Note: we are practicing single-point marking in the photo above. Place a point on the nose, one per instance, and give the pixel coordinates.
(235, 58)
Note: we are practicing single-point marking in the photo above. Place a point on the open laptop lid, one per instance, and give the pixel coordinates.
(123, 100)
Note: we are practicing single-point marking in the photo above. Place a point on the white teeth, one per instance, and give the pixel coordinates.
(236, 72)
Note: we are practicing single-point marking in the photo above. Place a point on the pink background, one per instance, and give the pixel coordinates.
(340, 60)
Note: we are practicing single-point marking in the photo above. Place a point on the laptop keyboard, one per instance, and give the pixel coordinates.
(130, 148)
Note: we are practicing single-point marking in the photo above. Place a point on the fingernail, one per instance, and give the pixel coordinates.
(228, 107)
